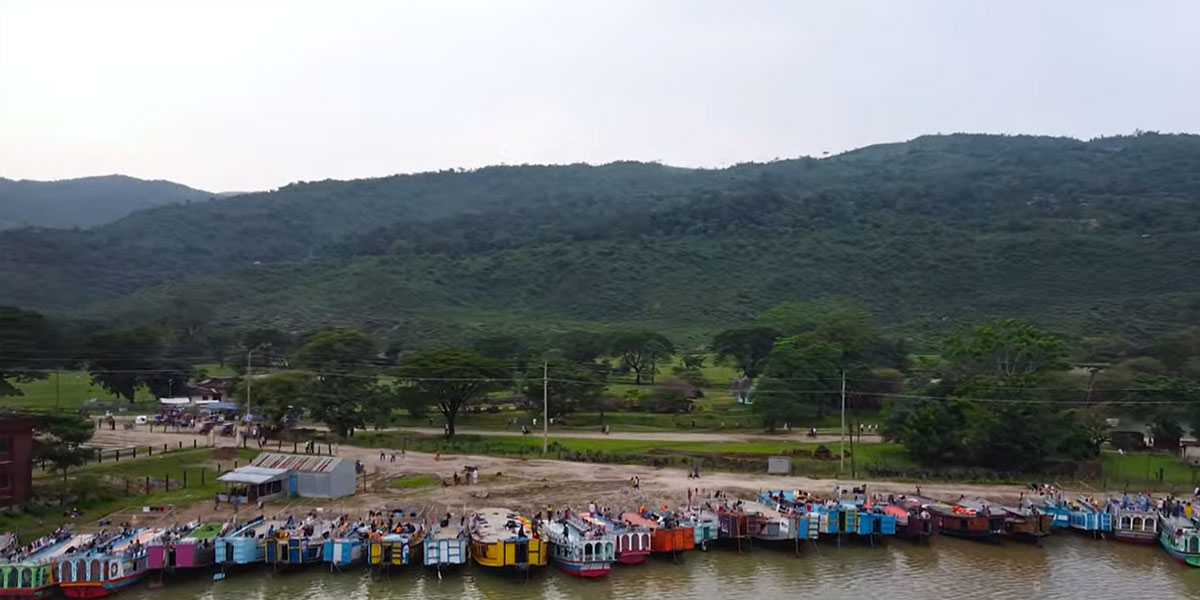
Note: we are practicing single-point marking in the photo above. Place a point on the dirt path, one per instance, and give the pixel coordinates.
(658, 436)
(533, 484)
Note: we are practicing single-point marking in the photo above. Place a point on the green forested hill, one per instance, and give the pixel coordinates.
(86, 201)
(1082, 236)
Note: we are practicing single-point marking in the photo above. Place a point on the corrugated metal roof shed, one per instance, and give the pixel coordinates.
(252, 474)
(302, 463)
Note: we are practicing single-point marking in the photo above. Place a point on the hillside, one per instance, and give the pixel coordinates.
(1081, 236)
(85, 202)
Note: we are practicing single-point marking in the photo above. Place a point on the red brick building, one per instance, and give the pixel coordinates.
(16, 459)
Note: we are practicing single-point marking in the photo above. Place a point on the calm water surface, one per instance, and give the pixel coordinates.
(1065, 566)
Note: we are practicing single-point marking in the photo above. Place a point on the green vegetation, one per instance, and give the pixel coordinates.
(99, 489)
(86, 201)
(1084, 237)
(415, 482)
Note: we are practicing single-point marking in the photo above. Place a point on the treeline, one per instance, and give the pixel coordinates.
(1001, 394)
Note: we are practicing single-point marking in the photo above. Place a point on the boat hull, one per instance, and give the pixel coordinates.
(44, 591)
(1188, 558)
(99, 589)
(632, 558)
(1135, 537)
(583, 569)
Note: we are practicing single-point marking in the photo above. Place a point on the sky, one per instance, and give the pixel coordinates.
(250, 95)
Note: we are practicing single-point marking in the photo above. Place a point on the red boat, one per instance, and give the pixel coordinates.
(633, 542)
(666, 534)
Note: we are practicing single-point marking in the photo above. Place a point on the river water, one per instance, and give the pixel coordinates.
(1065, 566)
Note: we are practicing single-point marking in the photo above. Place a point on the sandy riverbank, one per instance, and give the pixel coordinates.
(533, 484)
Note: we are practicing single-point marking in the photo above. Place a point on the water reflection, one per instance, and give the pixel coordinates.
(1065, 566)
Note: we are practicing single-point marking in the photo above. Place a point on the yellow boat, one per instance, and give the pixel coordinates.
(501, 538)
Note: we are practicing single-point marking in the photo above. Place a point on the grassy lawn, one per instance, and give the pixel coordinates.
(415, 481)
(1142, 469)
(99, 489)
(70, 390)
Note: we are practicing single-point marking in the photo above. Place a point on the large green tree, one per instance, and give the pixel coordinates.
(641, 351)
(802, 381)
(60, 439)
(28, 348)
(123, 361)
(748, 347)
(279, 395)
(452, 379)
(572, 387)
(344, 394)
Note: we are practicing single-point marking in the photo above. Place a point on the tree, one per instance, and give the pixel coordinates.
(279, 396)
(572, 387)
(345, 393)
(641, 351)
(748, 347)
(122, 361)
(1005, 350)
(453, 379)
(60, 439)
(581, 346)
(802, 380)
(28, 348)
(933, 432)
(671, 396)
(833, 314)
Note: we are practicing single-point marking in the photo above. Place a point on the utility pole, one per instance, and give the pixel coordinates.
(842, 464)
(248, 379)
(545, 407)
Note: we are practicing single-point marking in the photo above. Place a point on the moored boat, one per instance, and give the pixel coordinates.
(1026, 525)
(668, 533)
(966, 522)
(704, 524)
(193, 547)
(580, 548)
(297, 543)
(112, 563)
(29, 572)
(446, 544)
(1133, 520)
(913, 522)
(1086, 516)
(397, 541)
(503, 539)
(1180, 537)
(633, 542)
(243, 544)
(345, 546)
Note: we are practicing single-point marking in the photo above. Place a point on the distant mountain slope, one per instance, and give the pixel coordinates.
(85, 202)
(1096, 236)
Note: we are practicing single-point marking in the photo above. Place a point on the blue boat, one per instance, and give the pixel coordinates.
(1180, 537)
(446, 546)
(1086, 516)
(297, 544)
(244, 545)
(705, 526)
(345, 550)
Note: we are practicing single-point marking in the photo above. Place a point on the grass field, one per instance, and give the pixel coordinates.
(99, 489)
(415, 482)
(71, 390)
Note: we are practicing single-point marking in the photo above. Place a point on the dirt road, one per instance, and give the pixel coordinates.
(534, 484)
(798, 437)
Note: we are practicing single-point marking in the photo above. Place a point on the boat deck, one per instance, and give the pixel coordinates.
(493, 525)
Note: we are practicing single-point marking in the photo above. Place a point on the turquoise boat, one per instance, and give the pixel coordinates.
(1180, 537)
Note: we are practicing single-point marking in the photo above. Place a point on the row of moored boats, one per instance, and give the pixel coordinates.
(584, 544)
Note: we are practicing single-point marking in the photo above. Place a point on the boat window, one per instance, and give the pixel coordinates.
(587, 550)
(1149, 525)
(1137, 522)
(1193, 543)
(1125, 523)
(609, 547)
(26, 578)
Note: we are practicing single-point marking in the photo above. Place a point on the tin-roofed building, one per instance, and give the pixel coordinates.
(313, 476)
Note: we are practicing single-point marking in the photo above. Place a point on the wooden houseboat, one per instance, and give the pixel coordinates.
(668, 534)
(633, 541)
(965, 522)
(1085, 516)
(297, 543)
(243, 544)
(734, 525)
(194, 548)
(705, 527)
(1026, 525)
(345, 546)
(913, 522)
(804, 523)
(1134, 521)
(108, 567)
(581, 548)
(1180, 537)
(30, 572)
(393, 550)
(446, 544)
(773, 524)
(503, 539)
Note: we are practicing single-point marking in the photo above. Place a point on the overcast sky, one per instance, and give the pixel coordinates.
(251, 95)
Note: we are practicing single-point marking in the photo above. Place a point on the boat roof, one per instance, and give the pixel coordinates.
(76, 540)
(491, 525)
(1180, 523)
(448, 533)
(639, 520)
(206, 531)
(758, 507)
